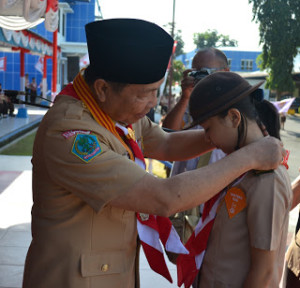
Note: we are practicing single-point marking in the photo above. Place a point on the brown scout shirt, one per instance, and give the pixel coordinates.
(79, 240)
(263, 224)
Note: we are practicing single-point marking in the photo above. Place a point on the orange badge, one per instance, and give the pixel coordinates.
(235, 201)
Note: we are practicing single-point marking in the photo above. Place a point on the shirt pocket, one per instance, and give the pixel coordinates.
(104, 263)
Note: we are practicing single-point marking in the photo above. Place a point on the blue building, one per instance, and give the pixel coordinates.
(73, 15)
(238, 60)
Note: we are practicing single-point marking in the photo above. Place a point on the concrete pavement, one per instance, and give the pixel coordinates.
(15, 217)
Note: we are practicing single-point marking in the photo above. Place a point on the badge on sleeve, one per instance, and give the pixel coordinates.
(86, 147)
(235, 201)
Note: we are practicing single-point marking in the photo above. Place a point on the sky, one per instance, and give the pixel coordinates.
(228, 17)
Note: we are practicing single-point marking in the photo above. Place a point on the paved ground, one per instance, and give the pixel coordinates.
(16, 201)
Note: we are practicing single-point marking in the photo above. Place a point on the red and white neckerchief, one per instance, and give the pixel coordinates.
(189, 265)
(152, 230)
(130, 139)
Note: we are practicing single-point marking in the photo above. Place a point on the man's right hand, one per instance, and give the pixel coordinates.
(266, 153)
(187, 84)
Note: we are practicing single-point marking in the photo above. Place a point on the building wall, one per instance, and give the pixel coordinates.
(236, 58)
(75, 22)
(10, 78)
(83, 14)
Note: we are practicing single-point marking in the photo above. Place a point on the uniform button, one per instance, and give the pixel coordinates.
(83, 105)
(104, 268)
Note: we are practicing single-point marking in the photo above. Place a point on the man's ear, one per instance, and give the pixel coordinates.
(234, 116)
(101, 89)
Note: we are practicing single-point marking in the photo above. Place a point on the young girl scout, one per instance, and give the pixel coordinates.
(247, 242)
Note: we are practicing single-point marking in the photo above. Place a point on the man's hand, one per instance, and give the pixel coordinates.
(187, 84)
(266, 153)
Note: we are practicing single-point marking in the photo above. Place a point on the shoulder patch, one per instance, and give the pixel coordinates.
(70, 133)
(86, 147)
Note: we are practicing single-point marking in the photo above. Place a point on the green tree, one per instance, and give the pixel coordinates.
(180, 44)
(177, 37)
(178, 69)
(211, 38)
(279, 24)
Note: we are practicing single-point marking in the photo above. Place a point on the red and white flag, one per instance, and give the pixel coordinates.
(40, 65)
(173, 52)
(84, 61)
(2, 63)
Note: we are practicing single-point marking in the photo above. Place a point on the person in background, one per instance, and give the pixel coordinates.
(6, 105)
(10, 107)
(33, 90)
(282, 120)
(205, 62)
(251, 215)
(27, 88)
(91, 192)
(2, 104)
(41, 88)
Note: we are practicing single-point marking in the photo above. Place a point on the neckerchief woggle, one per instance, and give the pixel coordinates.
(152, 230)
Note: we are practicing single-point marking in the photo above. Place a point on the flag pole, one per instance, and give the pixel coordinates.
(171, 60)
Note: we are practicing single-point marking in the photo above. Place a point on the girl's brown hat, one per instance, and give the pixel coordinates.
(216, 93)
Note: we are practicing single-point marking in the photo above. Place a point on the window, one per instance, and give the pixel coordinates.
(246, 64)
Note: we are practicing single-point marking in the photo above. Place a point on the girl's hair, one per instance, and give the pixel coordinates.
(254, 108)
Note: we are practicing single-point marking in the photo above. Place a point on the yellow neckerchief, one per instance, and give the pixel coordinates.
(85, 94)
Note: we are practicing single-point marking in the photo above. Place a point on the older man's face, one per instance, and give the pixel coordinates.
(132, 103)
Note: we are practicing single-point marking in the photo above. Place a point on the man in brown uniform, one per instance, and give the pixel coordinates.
(87, 181)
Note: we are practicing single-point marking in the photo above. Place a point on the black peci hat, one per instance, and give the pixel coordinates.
(128, 50)
(216, 93)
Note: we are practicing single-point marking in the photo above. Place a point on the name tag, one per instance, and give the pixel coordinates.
(235, 201)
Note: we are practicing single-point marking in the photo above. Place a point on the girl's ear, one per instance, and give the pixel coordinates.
(235, 117)
(101, 88)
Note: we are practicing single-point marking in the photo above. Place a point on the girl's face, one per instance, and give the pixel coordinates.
(223, 132)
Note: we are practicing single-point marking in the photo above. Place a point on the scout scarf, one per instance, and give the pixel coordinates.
(153, 230)
(189, 265)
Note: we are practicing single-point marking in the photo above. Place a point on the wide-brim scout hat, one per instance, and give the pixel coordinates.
(128, 50)
(216, 93)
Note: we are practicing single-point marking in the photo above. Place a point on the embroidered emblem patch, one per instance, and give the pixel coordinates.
(70, 133)
(86, 147)
(235, 201)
